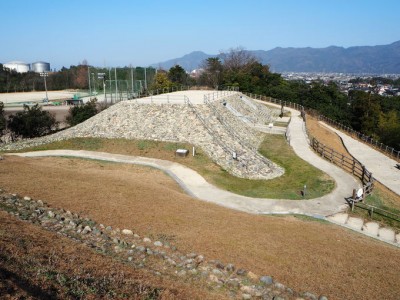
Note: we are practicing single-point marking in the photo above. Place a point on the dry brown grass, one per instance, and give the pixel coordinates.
(305, 255)
(325, 136)
(38, 264)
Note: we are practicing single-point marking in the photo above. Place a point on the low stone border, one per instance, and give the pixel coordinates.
(159, 257)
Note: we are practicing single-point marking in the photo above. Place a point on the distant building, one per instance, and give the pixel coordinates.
(17, 66)
(196, 73)
(40, 66)
(21, 67)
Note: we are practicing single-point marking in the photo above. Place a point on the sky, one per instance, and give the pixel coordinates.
(139, 33)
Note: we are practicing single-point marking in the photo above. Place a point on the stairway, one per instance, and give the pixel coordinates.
(372, 229)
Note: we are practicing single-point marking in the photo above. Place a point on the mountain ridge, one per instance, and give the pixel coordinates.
(377, 59)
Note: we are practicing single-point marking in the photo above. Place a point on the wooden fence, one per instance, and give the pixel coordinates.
(376, 210)
(390, 151)
(347, 163)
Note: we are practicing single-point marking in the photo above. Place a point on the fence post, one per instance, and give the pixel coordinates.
(363, 196)
(363, 174)
(353, 198)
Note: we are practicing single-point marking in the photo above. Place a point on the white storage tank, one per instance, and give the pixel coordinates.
(40, 66)
(18, 66)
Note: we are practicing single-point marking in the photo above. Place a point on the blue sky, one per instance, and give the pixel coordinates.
(124, 32)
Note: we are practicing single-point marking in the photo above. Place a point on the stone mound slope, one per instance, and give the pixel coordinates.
(228, 140)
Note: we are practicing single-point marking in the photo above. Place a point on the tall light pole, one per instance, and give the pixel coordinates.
(44, 75)
(94, 85)
(101, 76)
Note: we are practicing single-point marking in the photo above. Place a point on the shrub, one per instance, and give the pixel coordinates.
(32, 122)
(2, 119)
(78, 114)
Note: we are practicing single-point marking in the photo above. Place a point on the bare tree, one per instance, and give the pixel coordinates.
(237, 59)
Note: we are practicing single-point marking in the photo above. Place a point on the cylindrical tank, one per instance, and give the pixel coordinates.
(18, 66)
(40, 66)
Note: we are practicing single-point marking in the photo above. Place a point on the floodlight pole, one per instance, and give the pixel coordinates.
(44, 75)
(109, 76)
(132, 80)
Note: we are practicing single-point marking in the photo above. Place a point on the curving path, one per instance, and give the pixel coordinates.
(382, 167)
(195, 185)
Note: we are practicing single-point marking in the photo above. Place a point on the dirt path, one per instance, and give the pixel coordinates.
(303, 254)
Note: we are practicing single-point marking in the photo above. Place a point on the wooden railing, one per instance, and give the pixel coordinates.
(389, 151)
(376, 210)
(347, 163)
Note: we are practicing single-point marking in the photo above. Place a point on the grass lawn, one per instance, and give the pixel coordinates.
(297, 172)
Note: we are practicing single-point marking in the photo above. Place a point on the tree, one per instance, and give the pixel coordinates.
(365, 111)
(389, 129)
(212, 75)
(177, 75)
(78, 114)
(32, 122)
(2, 119)
(161, 82)
(237, 60)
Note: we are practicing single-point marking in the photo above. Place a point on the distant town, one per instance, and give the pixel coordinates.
(348, 82)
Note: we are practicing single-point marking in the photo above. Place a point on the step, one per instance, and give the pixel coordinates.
(355, 223)
(387, 234)
(371, 228)
(340, 218)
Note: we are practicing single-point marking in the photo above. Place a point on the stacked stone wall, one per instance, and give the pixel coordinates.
(174, 123)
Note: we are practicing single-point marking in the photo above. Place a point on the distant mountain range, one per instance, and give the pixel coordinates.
(382, 59)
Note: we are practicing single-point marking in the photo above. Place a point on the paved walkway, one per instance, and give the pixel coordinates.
(195, 185)
(382, 167)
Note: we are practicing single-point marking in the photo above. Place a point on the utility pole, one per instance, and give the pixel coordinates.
(90, 88)
(116, 86)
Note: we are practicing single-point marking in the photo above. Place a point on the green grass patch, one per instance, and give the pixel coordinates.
(289, 186)
(281, 124)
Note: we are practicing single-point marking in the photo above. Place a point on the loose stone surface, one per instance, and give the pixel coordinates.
(214, 127)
